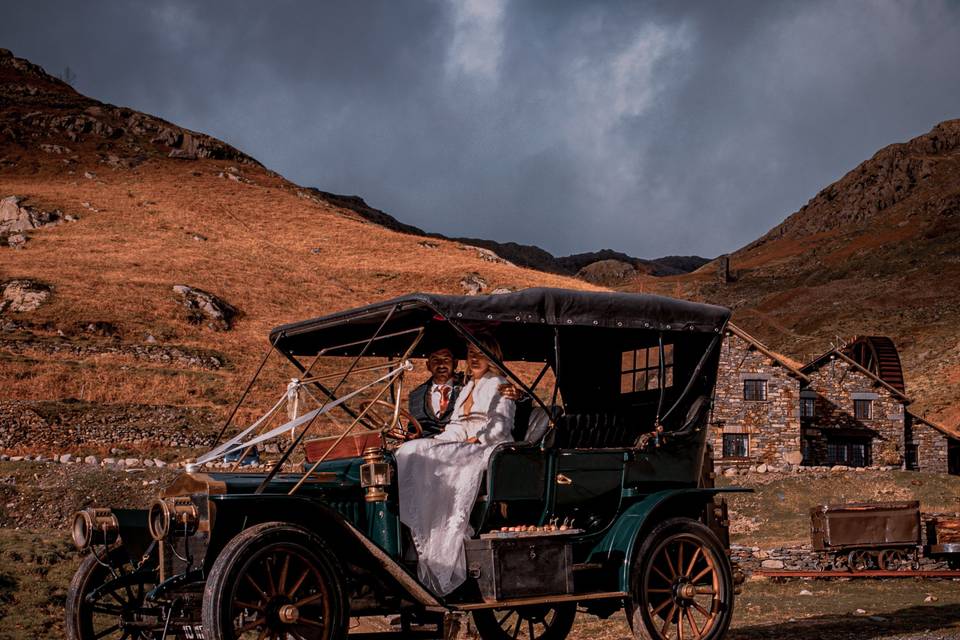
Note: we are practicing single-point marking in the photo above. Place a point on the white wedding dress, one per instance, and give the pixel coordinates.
(439, 479)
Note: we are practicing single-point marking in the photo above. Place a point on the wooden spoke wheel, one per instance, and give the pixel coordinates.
(275, 581)
(682, 584)
(406, 428)
(893, 559)
(859, 560)
(533, 622)
(840, 562)
(106, 602)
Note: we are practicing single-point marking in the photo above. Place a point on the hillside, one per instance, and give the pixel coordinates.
(876, 252)
(113, 209)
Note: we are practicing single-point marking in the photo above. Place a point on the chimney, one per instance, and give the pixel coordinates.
(723, 270)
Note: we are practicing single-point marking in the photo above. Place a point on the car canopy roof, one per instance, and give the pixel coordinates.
(520, 319)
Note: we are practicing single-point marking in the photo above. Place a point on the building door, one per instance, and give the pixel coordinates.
(953, 456)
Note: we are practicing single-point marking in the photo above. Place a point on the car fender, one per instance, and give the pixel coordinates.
(237, 512)
(619, 545)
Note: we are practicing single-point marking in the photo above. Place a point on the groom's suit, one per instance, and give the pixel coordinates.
(421, 406)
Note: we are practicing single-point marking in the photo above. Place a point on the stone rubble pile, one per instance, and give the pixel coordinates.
(23, 425)
(800, 558)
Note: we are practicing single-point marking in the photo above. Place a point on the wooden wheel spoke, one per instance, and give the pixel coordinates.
(693, 561)
(533, 634)
(105, 632)
(247, 605)
(310, 623)
(699, 607)
(250, 626)
(667, 579)
(296, 585)
(659, 590)
(700, 575)
(666, 556)
(680, 558)
(504, 618)
(660, 607)
(271, 584)
(693, 623)
(109, 609)
(263, 594)
(282, 581)
(680, 625)
(516, 629)
(308, 600)
(669, 619)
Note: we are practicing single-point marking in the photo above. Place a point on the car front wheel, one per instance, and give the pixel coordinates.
(681, 584)
(275, 580)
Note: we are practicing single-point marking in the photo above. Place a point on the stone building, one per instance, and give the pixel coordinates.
(931, 446)
(847, 407)
(851, 416)
(756, 411)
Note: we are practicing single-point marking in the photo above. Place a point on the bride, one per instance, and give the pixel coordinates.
(439, 477)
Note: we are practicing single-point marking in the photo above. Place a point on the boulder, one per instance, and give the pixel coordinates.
(16, 218)
(473, 284)
(205, 308)
(66, 458)
(20, 296)
(91, 460)
(772, 564)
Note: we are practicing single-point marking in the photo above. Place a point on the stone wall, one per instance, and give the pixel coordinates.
(837, 384)
(931, 447)
(772, 425)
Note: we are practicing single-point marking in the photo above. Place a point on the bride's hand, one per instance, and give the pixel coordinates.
(473, 440)
(510, 392)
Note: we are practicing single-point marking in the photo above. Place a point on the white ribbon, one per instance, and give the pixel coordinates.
(235, 444)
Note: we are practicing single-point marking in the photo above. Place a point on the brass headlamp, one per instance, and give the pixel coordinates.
(376, 475)
(94, 526)
(172, 516)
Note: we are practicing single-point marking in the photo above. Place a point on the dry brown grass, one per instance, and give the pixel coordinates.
(119, 264)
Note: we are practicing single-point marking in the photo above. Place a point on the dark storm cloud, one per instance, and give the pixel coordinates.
(648, 128)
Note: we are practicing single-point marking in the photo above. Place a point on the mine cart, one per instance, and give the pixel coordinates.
(870, 535)
(943, 540)
(604, 499)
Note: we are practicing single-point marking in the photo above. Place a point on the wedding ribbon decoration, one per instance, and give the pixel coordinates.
(237, 444)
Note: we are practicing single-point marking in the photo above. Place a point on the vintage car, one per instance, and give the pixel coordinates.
(604, 500)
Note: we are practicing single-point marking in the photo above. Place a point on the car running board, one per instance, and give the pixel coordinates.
(521, 602)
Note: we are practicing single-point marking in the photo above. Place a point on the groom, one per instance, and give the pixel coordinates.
(432, 402)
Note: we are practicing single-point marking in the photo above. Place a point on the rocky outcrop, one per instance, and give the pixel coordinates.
(893, 174)
(15, 219)
(205, 308)
(607, 273)
(473, 284)
(21, 296)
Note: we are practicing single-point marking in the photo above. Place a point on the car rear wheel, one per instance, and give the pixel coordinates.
(532, 622)
(681, 584)
(95, 611)
(275, 580)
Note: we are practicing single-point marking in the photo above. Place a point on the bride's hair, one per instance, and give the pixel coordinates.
(488, 342)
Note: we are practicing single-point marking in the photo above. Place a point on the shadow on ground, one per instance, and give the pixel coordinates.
(902, 622)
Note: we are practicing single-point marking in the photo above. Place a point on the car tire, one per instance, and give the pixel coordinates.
(89, 620)
(275, 578)
(680, 577)
(532, 622)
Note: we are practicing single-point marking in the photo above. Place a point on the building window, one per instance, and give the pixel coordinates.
(735, 445)
(640, 369)
(806, 407)
(850, 453)
(863, 409)
(754, 389)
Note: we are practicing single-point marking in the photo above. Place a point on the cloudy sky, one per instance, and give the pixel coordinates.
(651, 128)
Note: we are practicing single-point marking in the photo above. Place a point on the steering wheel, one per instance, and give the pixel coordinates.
(400, 431)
